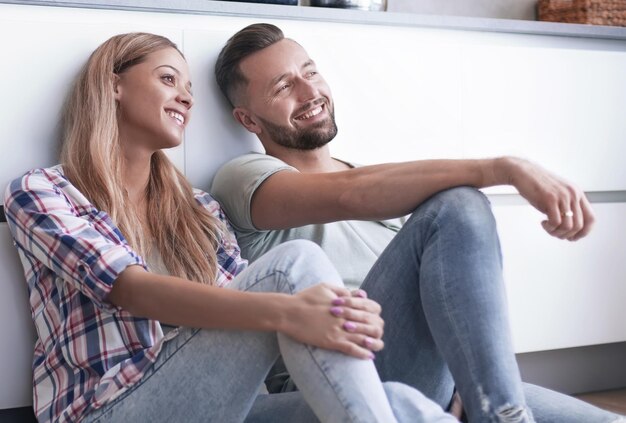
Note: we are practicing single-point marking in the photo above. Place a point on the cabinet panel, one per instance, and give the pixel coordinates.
(563, 294)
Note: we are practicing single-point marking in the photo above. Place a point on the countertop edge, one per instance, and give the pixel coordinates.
(271, 11)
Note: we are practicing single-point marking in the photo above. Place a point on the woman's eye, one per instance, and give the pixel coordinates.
(311, 74)
(168, 78)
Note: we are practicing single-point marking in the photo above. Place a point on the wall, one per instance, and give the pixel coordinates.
(403, 91)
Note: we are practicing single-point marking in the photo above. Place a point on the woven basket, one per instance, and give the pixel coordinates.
(596, 12)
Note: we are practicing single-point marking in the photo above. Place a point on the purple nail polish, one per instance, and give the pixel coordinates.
(361, 293)
(368, 342)
(336, 310)
(349, 326)
(372, 356)
(338, 301)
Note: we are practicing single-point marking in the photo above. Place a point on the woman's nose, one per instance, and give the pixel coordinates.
(186, 98)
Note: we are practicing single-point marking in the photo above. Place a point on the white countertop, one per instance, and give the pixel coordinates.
(226, 8)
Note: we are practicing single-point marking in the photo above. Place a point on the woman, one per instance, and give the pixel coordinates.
(126, 265)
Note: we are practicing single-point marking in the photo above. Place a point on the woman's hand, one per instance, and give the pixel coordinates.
(328, 317)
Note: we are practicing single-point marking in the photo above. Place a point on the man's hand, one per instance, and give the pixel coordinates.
(569, 214)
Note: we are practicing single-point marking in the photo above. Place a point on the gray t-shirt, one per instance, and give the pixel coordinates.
(352, 245)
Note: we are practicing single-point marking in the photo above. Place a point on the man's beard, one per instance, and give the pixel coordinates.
(310, 138)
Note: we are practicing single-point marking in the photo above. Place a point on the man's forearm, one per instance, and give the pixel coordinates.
(290, 199)
(391, 190)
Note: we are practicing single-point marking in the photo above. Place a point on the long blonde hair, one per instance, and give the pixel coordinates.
(92, 160)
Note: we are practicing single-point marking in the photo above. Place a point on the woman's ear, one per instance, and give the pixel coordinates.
(243, 116)
(116, 86)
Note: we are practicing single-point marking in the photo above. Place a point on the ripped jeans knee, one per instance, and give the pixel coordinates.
(507, 413)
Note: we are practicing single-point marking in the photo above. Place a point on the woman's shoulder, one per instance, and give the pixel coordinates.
(208, 202)
(44, 189)
(35, 179)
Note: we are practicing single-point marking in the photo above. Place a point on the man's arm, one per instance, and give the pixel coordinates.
(290, 199)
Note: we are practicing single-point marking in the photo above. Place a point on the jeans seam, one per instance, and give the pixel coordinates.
(467, 355)
(346, 405)
(323, 370)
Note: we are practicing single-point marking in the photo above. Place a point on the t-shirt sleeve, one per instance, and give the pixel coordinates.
(48, 230)
(235, 184)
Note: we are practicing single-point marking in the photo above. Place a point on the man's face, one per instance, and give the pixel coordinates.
(287, 98)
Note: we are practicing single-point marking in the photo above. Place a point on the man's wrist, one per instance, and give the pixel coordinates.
(504, 169)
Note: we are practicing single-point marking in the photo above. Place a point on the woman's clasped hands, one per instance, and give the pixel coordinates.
(334, 318)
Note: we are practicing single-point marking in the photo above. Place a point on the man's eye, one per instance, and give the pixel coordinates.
(311, 74)
(283, 88)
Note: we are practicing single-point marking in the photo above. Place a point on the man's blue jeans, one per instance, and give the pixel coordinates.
(440, 286)
(215, 375)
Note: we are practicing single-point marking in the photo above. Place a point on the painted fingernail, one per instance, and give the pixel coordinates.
(338, 301)
(372, 356)
(368, 342)
(336, 310)
(349, 326)
(361, 293)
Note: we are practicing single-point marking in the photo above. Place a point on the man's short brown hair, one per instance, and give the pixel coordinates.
(249, 40)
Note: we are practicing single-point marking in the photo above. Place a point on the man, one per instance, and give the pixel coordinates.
(438, 276)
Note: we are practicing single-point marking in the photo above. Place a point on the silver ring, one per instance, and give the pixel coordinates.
(568, 213)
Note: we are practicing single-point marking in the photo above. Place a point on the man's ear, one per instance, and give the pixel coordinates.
(243, 116)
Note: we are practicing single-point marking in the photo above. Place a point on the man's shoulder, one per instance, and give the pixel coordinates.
(245, 173)
(249, 161)
(237, 180)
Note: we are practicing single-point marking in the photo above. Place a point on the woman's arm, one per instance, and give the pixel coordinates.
(305, 316)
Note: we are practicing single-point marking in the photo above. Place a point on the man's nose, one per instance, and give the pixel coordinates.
(307, 90)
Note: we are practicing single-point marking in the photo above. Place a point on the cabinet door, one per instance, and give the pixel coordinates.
(563, 294)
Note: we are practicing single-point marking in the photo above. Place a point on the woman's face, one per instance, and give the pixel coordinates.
(154, 102)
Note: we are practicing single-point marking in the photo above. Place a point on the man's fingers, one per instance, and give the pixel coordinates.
(570, 221)
(554, 218)
(588, 220)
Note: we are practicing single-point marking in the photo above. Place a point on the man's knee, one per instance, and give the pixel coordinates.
(463, 207)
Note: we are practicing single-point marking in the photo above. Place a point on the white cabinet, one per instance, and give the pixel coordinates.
(563, 294)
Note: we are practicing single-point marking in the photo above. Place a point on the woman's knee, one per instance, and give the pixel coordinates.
(303, 263)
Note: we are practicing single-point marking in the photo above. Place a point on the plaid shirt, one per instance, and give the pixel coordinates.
(87, 351)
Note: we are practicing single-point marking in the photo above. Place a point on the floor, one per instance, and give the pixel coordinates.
(609, 400)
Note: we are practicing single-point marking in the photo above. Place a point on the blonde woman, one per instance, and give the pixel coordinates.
(144, 309)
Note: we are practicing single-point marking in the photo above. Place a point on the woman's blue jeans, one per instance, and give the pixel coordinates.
(440, 286)
(215, 375)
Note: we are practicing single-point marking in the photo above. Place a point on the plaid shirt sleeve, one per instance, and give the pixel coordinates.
(77, 242)
(228, 252)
